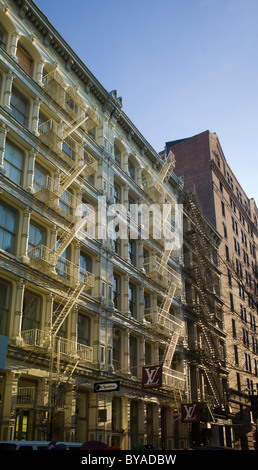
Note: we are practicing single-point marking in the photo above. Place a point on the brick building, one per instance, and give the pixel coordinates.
(202, 163)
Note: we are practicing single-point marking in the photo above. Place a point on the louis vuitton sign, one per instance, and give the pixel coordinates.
(152, 376)
(190, 412)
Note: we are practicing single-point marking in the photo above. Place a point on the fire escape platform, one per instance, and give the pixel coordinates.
(39, 340)
(44, 260)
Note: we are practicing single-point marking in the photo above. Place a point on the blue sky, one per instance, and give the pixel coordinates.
(181, 67)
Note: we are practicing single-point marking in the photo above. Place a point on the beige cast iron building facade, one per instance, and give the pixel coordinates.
(80, 307)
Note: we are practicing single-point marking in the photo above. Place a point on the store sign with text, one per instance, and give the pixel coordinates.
(152, 376)
(190, 412)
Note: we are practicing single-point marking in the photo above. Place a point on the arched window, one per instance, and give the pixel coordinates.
(119, 151)
(24, 59)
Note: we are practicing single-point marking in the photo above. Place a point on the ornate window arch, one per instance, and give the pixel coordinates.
(28, 56)
(119, 151)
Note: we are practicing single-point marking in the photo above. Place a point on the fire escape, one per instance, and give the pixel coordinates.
(157, 268)
(61, 138)
(201, 271)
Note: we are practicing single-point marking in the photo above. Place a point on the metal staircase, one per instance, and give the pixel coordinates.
(157, 268)
(201, 271)
(61, 138)
(72, 299)
(168, 166)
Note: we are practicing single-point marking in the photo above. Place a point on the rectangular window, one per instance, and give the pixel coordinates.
(3, 37)
(69, 147)
(8, 224)
(84, 329)
(133, 355)
(255, 366)
(4, 301)
(131, 170)
(63, 266)
(85, 262)
(132, 251)
(132, 299)
(148, 353)
(238, 381)
(117, 291)
(248, 364)
(245, 337)
(231, 302)
(117, 414)
(117, 194)
(117, 349)
(118, 248)
(20, 107)
(223, 208)
(71, 105)
(24, 60)
(66, 202)
(118, 155)
(31, 311)
(234, 328)
(13, 162)
(229, 278)
(37, 236)
(236, 354)
(40, 177)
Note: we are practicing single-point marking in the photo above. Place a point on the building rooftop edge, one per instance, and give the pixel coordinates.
(171, 143)
(72, 61)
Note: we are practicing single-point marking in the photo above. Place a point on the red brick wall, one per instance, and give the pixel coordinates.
(193, 163)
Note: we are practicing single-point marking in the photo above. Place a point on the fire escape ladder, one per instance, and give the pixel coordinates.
(68, 237)
(164, 259)
(71, 301)
(69, 99)
(67, 179)
(169, 299)
(215, 386)
(202, 275)
(73, 125)
(171, 349)
(168, 165)
(176, 332)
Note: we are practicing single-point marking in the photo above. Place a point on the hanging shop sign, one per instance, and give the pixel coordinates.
(190, 412)
(107, 386)
(152, 376)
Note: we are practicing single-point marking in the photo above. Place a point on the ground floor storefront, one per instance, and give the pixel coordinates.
(37, 406)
